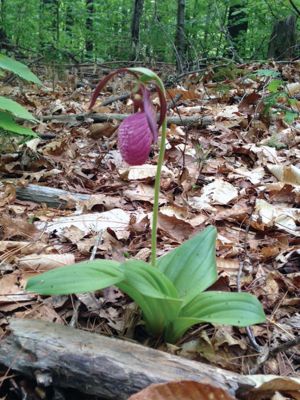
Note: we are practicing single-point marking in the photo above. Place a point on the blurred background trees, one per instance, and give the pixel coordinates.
(183, 32)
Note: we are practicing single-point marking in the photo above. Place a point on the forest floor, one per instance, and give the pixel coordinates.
(240, 173)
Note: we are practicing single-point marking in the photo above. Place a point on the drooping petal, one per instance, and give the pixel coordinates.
(163, 105)
(135, 139)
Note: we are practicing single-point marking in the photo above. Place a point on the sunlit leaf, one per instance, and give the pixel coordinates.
(16, 109)
(18, 68)
(274, 85)
(8, 124)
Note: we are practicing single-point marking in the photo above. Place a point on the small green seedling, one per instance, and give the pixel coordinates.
(171, 290)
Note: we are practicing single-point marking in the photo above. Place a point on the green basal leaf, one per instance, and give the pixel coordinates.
(153, 292)
(237, 309)
(8, 124)
(192, 266)
(87, 276)
(16, 109)
(9, 64)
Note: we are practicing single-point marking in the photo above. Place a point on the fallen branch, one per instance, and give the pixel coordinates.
(50, 196)
(100, 365)
(196, 120)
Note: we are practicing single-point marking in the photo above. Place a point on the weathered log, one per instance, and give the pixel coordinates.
(51, 196)
(196, 120)
(99, 365)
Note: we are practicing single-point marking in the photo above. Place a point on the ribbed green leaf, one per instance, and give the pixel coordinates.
(9, 64)
(153, 292)
(8, 124)
(87, 276)
(16, 109)
(237, 309)
(192, 266)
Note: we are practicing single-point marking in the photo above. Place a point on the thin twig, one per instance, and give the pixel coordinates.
(284, 346)
(97, 242)
(249, 331)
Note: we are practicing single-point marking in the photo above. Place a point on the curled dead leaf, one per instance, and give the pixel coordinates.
(105, 129)
(182, 390)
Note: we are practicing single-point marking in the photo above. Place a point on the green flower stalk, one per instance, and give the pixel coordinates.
(138, 131)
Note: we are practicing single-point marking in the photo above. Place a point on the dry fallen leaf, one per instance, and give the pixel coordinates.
(116, 219)
(142, 192)
(182, 390)
(269, 215)
(217, 192)
(286, 174)
(265, 384)
(143, 172)
(44, 262)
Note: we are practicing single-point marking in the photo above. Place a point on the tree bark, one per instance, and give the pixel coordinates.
(51, 196)
(180, 36)
(237, 25)
(135, 26)
(99, 365)
(283, 39)
(89, 43)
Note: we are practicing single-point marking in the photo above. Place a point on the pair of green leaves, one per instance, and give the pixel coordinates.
(9, 109)
(171, 296)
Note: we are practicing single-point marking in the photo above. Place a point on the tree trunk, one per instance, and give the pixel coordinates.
(3, 37)
(57, 21)
(89, 42)
(180, 36)
(135, 26)
(283, 39)
(47, 42)
(237, 25)
(69, 20)
(2, 6)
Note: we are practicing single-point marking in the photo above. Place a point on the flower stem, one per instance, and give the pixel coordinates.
(156, 192)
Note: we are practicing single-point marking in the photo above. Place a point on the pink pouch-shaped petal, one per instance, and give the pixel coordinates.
(135, 139)
(150, 114)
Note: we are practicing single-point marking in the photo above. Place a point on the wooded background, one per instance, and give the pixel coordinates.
(184, 32)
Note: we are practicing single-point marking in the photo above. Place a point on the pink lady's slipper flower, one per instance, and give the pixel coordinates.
(138, 131)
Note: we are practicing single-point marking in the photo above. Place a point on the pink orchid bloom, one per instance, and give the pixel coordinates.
(138, 131)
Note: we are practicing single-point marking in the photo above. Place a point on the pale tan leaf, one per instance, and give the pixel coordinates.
(143, 172)
(44, 262)
(182, 390)
(269, 215)
(217, 192)
(116, 219)
(286, 174)
(255, 176)
(142, 192)
(273, 383)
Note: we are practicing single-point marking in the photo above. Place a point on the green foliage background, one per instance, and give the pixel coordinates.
(37, 26)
